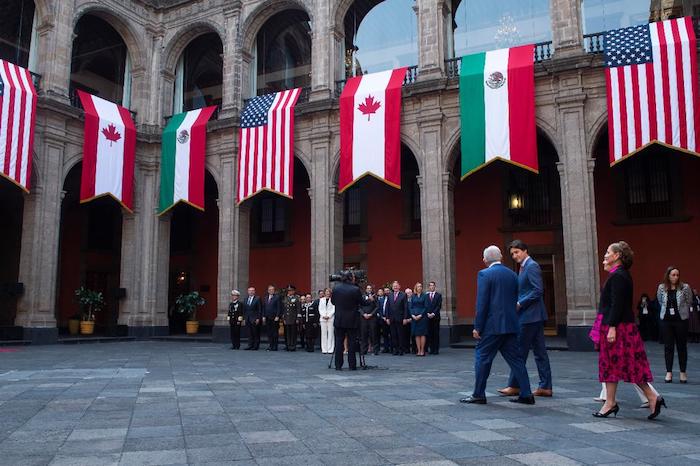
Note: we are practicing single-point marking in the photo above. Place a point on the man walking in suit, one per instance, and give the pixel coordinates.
(272, 311)
(253, 318)
(434, 308)
(496, 327)
(347, 299)
(398, 313)
(532, 316)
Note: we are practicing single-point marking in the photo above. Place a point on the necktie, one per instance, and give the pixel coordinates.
(250, 300)
(396, 295)
(431, 296)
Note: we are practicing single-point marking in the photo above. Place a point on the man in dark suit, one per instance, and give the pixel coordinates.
(434, 308)
(272, 310)
(368, 321)
(346, 298)
(252, 309)
(532, 316)
(496, 327)
(398, 313)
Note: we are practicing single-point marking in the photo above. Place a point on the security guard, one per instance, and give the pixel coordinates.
(235, 319)
(291, 314)
(311, 321)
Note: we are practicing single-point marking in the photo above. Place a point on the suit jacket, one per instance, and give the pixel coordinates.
(381, 313)
(398, 308)
(253, 311)
(496, 299)
(368, 306)
(235, 313)
(616, 298)
(347, 299)
(434, 306)
(530, 293)
(271, 309)
(326, 309)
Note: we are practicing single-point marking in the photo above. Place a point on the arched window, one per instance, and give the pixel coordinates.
(18, 32)
(380, 35)
(283, 53)
(100, 61)
(479, 26)
(199, 75)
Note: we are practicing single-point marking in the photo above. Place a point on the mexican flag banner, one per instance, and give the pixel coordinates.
(497, 107)
(182, 160)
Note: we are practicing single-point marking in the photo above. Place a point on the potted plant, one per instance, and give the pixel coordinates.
(187, 304)
(74, 324)
(90, 301)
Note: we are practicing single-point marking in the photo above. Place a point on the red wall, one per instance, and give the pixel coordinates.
(656, 246)
(283, 265)
(387, 257)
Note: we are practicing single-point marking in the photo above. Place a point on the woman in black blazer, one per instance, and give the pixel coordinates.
(622, 356)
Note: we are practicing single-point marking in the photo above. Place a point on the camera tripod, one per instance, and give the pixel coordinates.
(363, 365)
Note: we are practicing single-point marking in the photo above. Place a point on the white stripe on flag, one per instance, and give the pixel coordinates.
(673, 85)
(615, 100)
(687, 83)
(629, 105)
(182, 158)
(643, 103)
(110, 154)
(252, 144)
(369, 130)
(289, 150)
(242, 164)
(658, 83)
(496, 108)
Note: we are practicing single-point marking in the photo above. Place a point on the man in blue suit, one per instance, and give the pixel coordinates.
(532, 316)
(496, 327)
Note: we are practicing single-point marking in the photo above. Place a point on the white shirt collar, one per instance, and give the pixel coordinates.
(494, 263)
(525, 261)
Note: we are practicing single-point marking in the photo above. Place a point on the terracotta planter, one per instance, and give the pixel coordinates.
(74, 326)
(192, 327)
(87, 327)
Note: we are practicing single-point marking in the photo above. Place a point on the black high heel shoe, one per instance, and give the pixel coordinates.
(657, 408)
(614, 410)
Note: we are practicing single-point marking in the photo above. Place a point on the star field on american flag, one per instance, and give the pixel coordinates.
(256, 111)
(628, 46)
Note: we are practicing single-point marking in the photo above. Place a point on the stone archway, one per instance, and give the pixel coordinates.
(11, 211)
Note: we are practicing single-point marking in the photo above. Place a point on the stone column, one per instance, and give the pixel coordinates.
(578, 217)
(38, 267)
(437, 228)
(151, 109)
(432, 16)
(567, 27)
(55, 44)
(323, 234)
(231, 99)
(322, 55)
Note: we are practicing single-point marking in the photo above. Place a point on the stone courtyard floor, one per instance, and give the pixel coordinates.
(200, 403)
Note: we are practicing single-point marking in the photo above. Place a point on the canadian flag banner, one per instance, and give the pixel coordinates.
(108, 151)
(370, 117)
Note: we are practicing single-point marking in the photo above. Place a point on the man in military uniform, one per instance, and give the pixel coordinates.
(311, 319)
(235, 319)
(291, 314)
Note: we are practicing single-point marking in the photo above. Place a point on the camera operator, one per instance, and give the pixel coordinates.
(346, 298)
(368, 323)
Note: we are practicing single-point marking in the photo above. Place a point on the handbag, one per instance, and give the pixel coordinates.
(594, 334)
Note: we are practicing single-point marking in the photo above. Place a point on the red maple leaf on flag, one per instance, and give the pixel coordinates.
(111, 133)
(369, 106)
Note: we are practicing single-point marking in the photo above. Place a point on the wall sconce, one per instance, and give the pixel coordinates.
(516, 201)
(181, 277)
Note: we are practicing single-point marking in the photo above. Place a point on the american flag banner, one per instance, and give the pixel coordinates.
(651, 73)
(17, 116)
(266, 145)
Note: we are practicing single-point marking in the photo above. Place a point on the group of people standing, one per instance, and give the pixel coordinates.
(390, 320)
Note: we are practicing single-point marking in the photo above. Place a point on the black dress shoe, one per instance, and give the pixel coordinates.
(249, 348)
(526, 400)
(614, 410)
(339, 368)
(471, 399)
(376, 353)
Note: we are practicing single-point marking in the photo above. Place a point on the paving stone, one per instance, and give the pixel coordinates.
(544, 457)
(479, 435)
(160, 457)
(591, 455)
(268, 436)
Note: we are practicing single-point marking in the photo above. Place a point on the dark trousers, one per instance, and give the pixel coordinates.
(290, 337)
(385, 331)
(368, 334)
(340, 334)
(397, 336)
(407, 343)
(433, 340)
(486, 350)
(531, 336)
(272, 328)
(310, 331)
(253, 335)
(235, 336)
(300, 333)
(675, 332)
